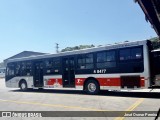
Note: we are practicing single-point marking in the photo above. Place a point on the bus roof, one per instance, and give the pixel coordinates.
(83, 51)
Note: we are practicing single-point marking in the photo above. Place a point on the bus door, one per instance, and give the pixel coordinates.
(68, 74)
(38, 74)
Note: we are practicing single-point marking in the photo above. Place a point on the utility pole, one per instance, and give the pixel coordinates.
(57, 47)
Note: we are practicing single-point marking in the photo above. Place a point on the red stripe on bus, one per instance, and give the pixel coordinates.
(79, 81)
(53, 81)
(109, 81)
(142, 82)
(102, 81)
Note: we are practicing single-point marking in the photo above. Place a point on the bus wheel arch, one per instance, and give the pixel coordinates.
(23, 85)
(91, 86)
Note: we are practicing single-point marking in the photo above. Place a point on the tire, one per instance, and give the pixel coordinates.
(23, 85)
(92, 87)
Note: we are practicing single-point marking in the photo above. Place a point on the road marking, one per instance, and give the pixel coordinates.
(136, 104)
(131, 108)
(51, 105)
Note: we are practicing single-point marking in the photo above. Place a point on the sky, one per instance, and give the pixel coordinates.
(36, 25)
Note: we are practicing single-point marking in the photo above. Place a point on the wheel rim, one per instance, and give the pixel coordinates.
(91, 87)
(23, 85)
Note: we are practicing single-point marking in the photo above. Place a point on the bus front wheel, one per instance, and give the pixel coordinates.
(23, 85)
(92, 87)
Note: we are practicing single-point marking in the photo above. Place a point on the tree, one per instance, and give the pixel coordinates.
(155, 42)
(77, 48)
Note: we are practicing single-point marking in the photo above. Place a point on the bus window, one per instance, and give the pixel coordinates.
(101, 57)
(89, 58)
(52, 66)
(85, 61)
(56, 62)
(125, 54)
(130, 54)
(17, 69)
(106, 59)
(28, 68)
(23, 69)
(56, 65)
(110, 56)
(89, 61)
(136, 53)
(10, 70)
(48, 63)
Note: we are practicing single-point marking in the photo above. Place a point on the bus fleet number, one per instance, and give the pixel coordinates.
(102, 71)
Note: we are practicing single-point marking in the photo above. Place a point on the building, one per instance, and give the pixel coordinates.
(23, 54)
(19, 55)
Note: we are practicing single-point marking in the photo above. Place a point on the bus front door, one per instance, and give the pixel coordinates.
(38, 74)
(68, 72)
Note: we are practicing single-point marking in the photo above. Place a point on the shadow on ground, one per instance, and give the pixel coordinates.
(102, 93)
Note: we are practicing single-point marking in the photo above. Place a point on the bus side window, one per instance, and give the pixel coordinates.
(10, 70)
(49, 63)
(56, 62)
(106, 59)
(101, 57)
(56, 65)
(23, 68)
(85, 61)
(130, 54)
(28, 68)
(89, 61)
(124, 54)
(17, 69)
(136, 53)
(48, 66)
(52, 66)
(81, 62)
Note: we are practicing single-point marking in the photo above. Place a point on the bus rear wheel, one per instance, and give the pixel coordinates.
(23, 86)
(92, 87)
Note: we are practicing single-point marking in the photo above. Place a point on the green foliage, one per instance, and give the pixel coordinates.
(155, 42)
(77, 48)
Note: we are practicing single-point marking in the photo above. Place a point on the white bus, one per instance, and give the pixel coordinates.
(128, 65)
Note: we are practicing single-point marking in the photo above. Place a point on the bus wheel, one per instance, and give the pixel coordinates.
(23, 86)
(92, 87)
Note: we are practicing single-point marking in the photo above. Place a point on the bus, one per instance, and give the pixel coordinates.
(128, 65)
(2, 72)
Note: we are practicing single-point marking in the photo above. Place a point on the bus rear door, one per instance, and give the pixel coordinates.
(38, 74)
(68, 69)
